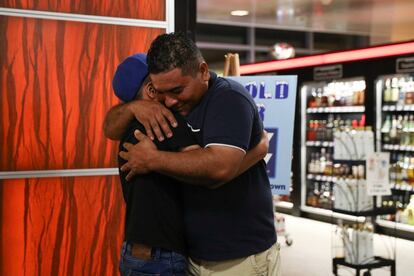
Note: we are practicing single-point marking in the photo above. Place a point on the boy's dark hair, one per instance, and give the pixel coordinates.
(174, 50)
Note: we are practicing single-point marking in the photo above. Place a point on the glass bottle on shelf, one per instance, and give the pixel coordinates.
(387, 91)
(328, 164)
(393, 130)
(411, 129)
(409, 92)
(310, 134)
(405, 135)
(410, 173)
(385, 130)
(395, 92)
(329, 128)
(318, 97)
(398, 170)
(401, 92)
(322, 161)
(399, 129)
(392, 169)
(312, 98)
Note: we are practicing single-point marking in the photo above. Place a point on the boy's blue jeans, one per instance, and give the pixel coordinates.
(163, 263)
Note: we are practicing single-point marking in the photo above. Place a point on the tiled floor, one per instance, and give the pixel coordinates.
(311, 253)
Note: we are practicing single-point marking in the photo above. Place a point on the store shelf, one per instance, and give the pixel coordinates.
(284, 204)
(368, 213)
(408, 107)
(395, 225)
(327, 144)
(398, 147)
(336, 109)
(402, 187)
(320, 177)
(331, 214)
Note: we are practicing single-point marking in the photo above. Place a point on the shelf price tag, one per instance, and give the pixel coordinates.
(378, 183)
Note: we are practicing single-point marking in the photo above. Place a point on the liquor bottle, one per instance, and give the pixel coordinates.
(328, 165)
(311, 164)
(312, 98)
(310, 133)
(401, 92)
(411, 129)
(316, 193)
(329, 128)
(405, 134)
(320, 134)
(385, 130)
(409, 92)
(398, 170)
(387, 91)
(317, 163)
(393, 130)
(399, 129)
(322, 161)
(395, 92)
(319, 97)
(410, 211)
(410, 172)
(404, 169)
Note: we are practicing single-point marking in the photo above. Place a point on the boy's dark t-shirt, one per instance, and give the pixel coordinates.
(154, 214)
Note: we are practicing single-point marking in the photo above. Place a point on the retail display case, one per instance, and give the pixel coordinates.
(327, 107)
(395, 134)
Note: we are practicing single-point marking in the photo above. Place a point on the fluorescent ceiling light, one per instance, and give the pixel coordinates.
(239, 13)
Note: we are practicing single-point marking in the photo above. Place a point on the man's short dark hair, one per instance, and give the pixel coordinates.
(174, 50)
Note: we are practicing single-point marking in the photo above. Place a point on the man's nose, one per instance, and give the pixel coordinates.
(170, 102)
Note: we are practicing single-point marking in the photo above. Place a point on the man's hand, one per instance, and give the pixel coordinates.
(138, 155)
(155, 117)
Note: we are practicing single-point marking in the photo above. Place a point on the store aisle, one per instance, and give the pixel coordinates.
(311, 253)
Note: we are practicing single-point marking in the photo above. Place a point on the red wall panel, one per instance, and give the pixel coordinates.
(138, 9)
(55, 83)
(61, 226)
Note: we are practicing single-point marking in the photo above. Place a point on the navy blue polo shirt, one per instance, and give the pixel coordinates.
(235, 220)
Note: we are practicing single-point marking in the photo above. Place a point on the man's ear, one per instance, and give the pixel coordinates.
(205, 74)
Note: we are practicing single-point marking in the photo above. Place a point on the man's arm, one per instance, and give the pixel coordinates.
(116, 121)
(155, 117)
(205, 166)
(255, 154)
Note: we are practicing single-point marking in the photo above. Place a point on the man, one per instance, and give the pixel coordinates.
(154, 233)
(230, 230)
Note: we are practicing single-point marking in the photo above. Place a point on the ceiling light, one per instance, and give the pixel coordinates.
(239, 13)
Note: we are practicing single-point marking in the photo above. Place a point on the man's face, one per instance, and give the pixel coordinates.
(180, 93)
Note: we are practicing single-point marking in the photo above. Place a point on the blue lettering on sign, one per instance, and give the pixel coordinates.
(282, 89)
(277, 187)
(252, 88)
(271, 154)
(261, 108)
(255, 91)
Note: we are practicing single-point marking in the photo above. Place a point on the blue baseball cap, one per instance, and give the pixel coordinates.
(129, 77)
